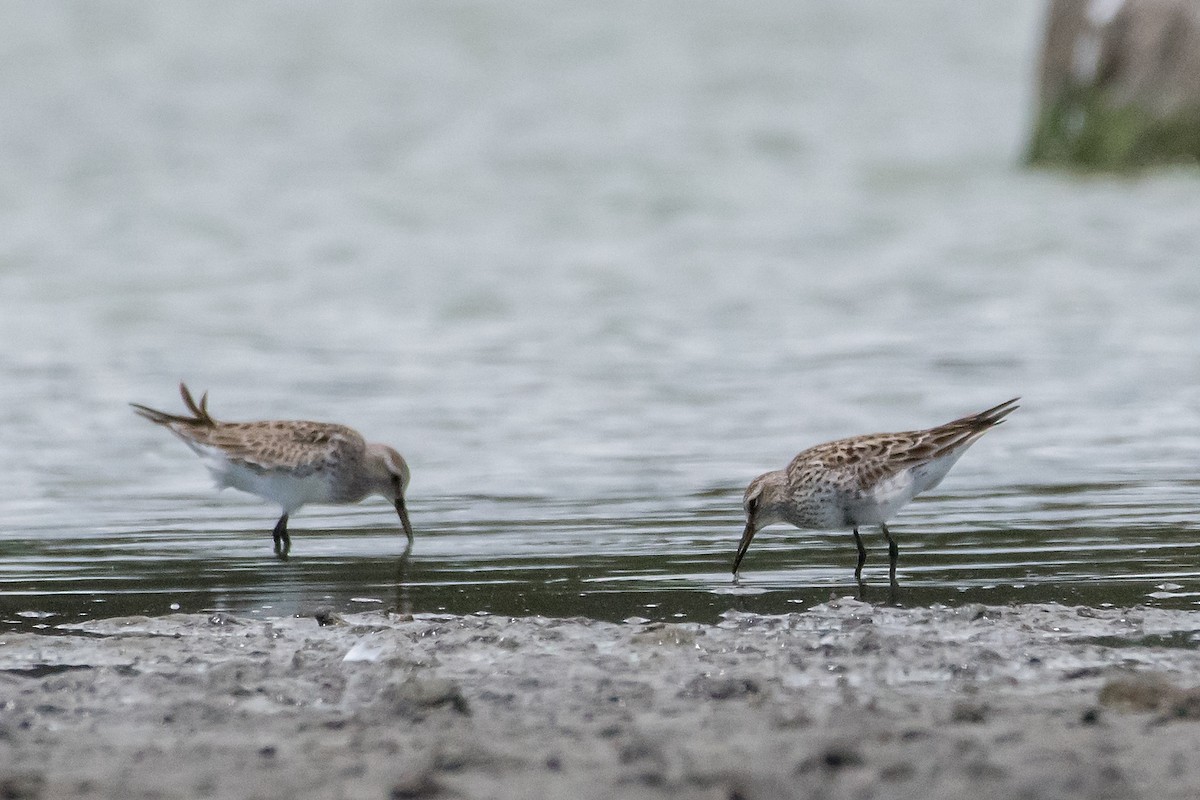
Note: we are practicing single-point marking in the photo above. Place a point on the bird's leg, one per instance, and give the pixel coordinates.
(283, 542)
(862, 559)
(893, 555)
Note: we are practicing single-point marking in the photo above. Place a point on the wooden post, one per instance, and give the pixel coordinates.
(1119, 85)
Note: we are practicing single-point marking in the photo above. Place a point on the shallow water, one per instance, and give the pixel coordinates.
(591, 272)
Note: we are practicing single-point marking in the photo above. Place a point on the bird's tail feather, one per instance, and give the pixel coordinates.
(199, 411)
(964, 431)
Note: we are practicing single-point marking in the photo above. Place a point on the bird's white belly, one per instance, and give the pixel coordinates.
(880, 503)
(278, 486)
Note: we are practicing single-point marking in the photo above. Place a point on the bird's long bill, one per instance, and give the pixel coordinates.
(403, 512)
(744, 546)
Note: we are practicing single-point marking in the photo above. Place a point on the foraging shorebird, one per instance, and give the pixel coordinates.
(289, 462)
(863, 480)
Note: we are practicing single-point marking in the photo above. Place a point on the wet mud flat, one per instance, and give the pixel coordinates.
(845, 700)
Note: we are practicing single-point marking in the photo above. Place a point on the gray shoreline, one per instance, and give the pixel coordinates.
(845, 700)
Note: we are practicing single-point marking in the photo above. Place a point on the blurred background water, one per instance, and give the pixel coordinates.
(591, 268)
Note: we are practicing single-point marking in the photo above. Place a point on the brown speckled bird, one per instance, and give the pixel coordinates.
(863, 480)
(289, 462)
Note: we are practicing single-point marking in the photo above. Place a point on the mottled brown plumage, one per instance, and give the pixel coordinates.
(291, 462)
(862, 480)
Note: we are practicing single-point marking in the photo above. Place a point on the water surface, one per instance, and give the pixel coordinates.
(591, 270)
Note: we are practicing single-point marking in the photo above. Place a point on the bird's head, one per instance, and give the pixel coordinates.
(763, 504)
(391, 480)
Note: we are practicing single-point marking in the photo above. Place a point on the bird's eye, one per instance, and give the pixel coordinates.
(752, 505)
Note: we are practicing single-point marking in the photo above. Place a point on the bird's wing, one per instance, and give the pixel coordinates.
(298, 446)
(866, 460)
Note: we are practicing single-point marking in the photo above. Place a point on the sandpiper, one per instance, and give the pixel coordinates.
(289, 462)
(863, 480)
